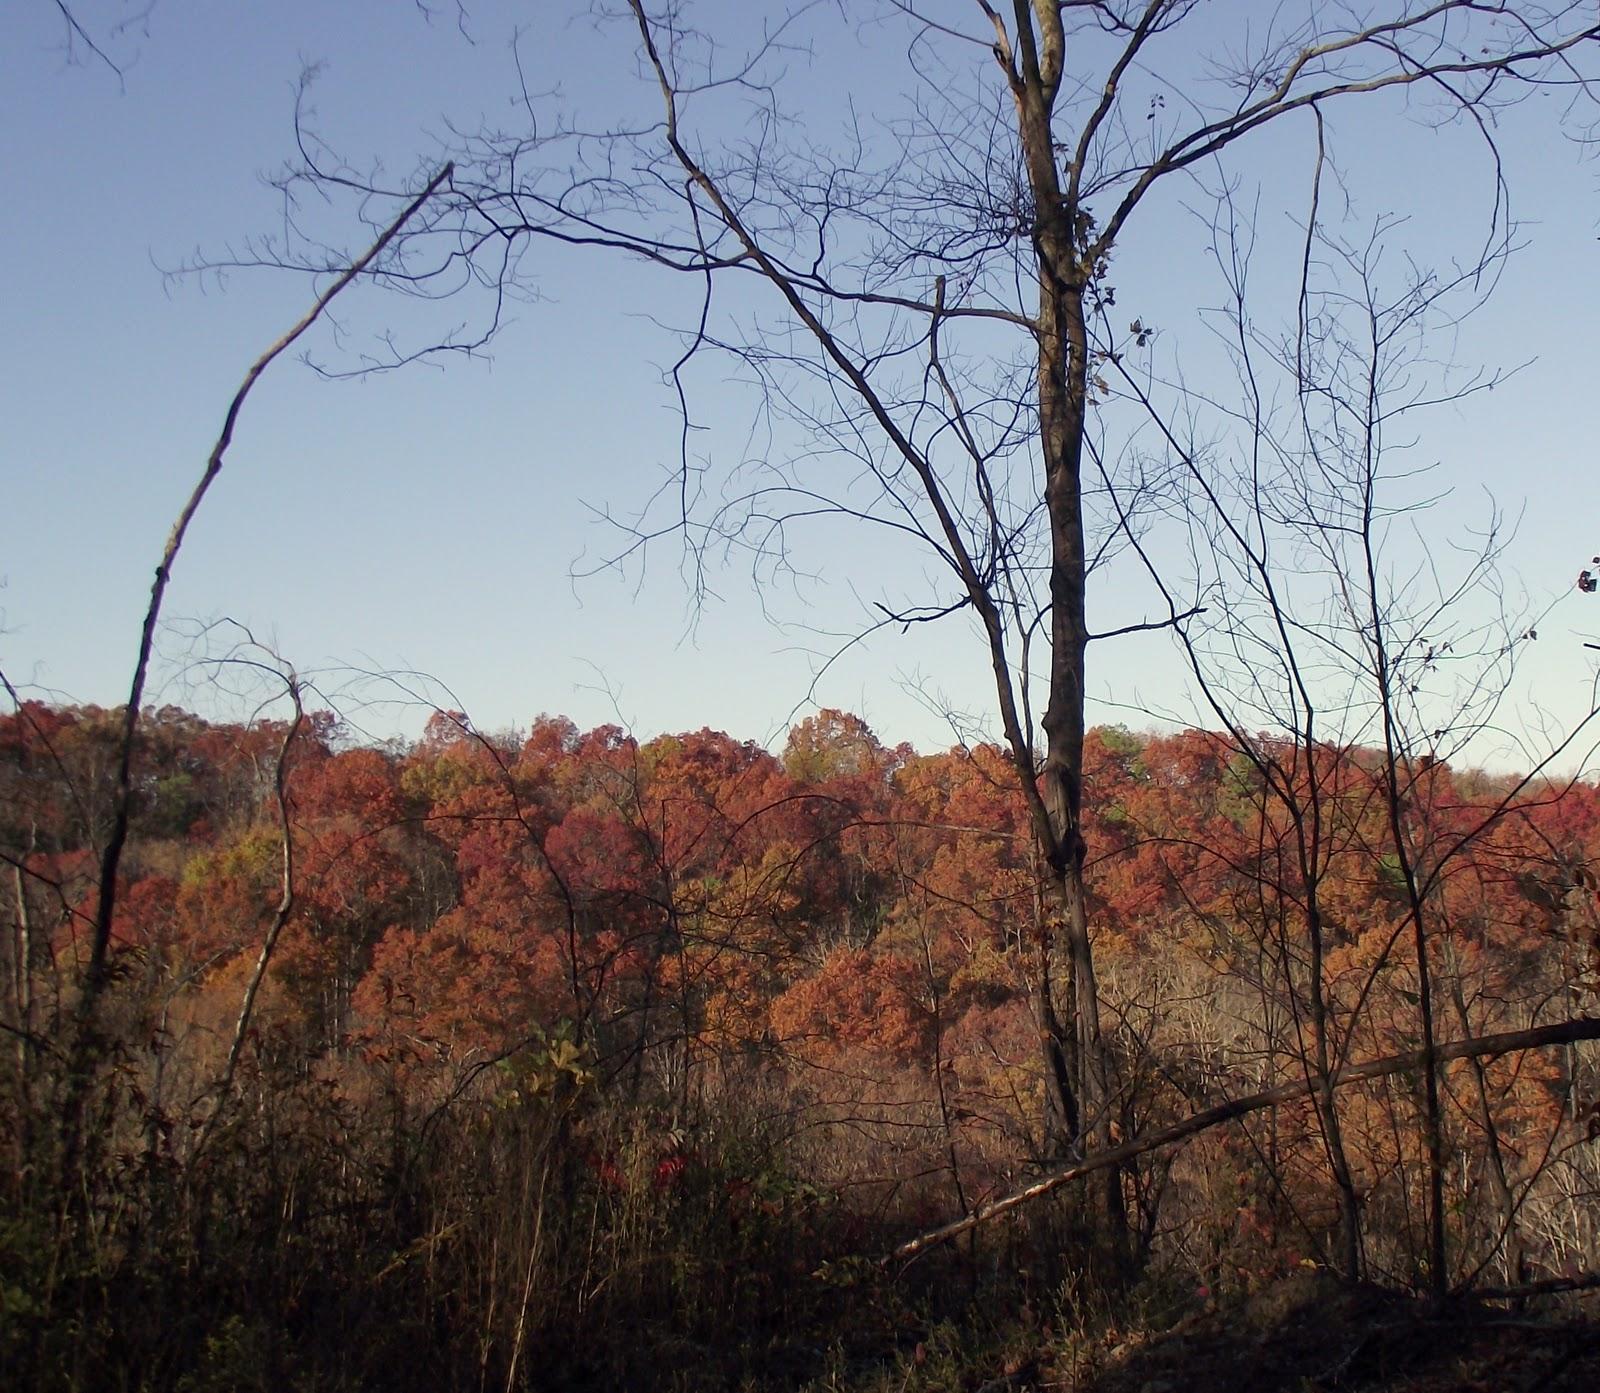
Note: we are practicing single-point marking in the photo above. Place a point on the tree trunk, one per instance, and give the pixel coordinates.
(1063, 372)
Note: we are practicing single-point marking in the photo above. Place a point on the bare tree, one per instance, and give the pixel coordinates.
(1348, 680)
(87, 1043)
(942, 292)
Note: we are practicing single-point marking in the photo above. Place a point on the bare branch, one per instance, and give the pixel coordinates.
(280, 914)
(112, 855)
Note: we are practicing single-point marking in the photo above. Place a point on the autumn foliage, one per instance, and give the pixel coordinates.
(747, 1015)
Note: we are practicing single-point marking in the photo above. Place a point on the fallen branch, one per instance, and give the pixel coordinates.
(1549, 1286)
(1507, 1042)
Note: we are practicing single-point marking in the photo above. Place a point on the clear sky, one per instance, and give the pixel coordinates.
(431, 519)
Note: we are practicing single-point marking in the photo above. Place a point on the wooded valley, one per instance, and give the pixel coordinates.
(1122, 350)
(551, 1058)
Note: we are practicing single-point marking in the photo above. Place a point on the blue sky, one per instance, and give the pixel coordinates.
(430, 520)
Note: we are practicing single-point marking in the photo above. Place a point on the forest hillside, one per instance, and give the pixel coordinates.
(557, 1059)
